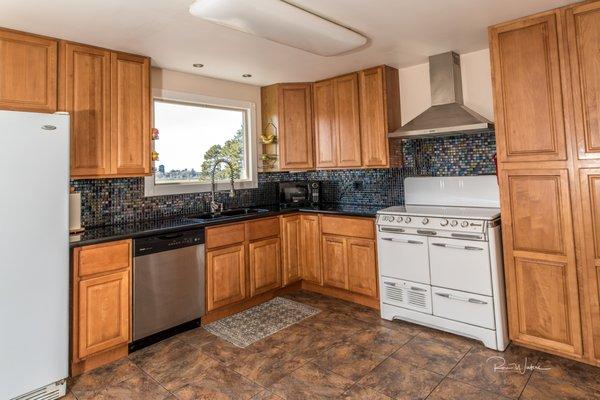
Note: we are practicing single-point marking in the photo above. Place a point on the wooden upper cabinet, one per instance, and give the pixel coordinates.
(28, 72)
(85, 93)
(130, 114)
(225, 276)
(379, 113)
(540, 259)
(290, 240)
(583, 36)
(265, 266)
(528, 96)
(326, 133)
(347, 116)
(337, 122)
(288, 106)
(310, 245)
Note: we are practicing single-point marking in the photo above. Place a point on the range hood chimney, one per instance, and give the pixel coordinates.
(447, 114)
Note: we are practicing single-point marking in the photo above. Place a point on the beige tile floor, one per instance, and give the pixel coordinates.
(345, 352)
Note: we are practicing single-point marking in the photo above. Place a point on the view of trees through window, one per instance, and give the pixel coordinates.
(193, 137)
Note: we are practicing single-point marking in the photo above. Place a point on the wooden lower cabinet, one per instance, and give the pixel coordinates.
(542, 288)
(335, 265)
(290, 238)
(226, 276)
(101, 304)
(103, 312)
(310, 246)
(362, 266)
(265, 266)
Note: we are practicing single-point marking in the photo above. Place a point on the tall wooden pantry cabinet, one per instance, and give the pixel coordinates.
(546, 82)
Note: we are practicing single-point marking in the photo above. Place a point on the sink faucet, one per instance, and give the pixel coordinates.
(215, 206)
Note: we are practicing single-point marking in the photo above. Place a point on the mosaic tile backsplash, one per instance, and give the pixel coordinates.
(114, 201)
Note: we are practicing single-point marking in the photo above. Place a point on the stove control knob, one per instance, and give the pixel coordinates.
(464, 224)
(399, 219)
(453, 222)
(444, 222)
(425, 221)
(407, 220)
(391, 218)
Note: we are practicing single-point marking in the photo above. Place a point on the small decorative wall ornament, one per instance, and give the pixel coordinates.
(268, 160)
(155, 134)
(154, 155)
(269, 135)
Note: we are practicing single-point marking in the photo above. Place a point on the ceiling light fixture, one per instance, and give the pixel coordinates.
(280, 22)
(197, 65)
(247, 76)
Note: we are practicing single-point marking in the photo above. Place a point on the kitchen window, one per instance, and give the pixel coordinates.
(194, 132)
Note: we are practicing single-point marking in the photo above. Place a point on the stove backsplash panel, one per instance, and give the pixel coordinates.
(114, 201)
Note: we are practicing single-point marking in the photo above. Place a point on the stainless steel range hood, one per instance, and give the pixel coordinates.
(447, 115)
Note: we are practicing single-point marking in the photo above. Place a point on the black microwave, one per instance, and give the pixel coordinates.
(299, 194)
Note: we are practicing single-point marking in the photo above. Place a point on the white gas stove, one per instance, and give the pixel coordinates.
(440, 258)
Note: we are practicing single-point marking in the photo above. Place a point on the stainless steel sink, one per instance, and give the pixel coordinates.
(233, 213)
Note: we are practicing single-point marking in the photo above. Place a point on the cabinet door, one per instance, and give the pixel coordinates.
(540, 267)
(103, 312)
(347, 120)
(28, 72)
(527, 90)
(130, 110)
(265, 267)
(85, 94)
(295, 126)
(326, 134)
(590, 196)
(373, 117)
(335, 262)
(362, 266)
(290, 239)
(226, 276)
(310, 245)
(583, 27)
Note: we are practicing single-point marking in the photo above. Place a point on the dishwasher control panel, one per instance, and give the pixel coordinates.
(168, 241)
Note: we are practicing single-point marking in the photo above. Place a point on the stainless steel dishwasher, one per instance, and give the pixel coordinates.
(168, 285)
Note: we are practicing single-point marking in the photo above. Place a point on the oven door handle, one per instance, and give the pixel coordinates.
(402, 241)
(466, 300)
(452, 246)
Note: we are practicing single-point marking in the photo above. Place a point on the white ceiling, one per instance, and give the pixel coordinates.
(401, 33)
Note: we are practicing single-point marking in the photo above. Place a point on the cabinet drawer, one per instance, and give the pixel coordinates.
(354, 227)
(263, 228)
(225, 235)
(104, 257)
(463, 307)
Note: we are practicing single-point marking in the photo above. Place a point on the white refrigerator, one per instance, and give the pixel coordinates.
(34, 254)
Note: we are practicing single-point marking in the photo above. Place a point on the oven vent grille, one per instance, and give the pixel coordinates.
(50, 392)
(394, 293)
(407, 294)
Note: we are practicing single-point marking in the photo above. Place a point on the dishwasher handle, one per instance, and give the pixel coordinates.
(167, 241)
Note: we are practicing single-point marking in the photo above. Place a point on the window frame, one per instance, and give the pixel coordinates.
(251, 181)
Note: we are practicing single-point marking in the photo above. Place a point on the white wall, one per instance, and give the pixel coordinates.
(415, 91)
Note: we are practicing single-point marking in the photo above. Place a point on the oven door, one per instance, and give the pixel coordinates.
(461, 265)
(403, 256)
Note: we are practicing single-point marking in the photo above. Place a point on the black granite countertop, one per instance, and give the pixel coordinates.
(151, 227)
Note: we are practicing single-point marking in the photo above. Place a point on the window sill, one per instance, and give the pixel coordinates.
(150, 189)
